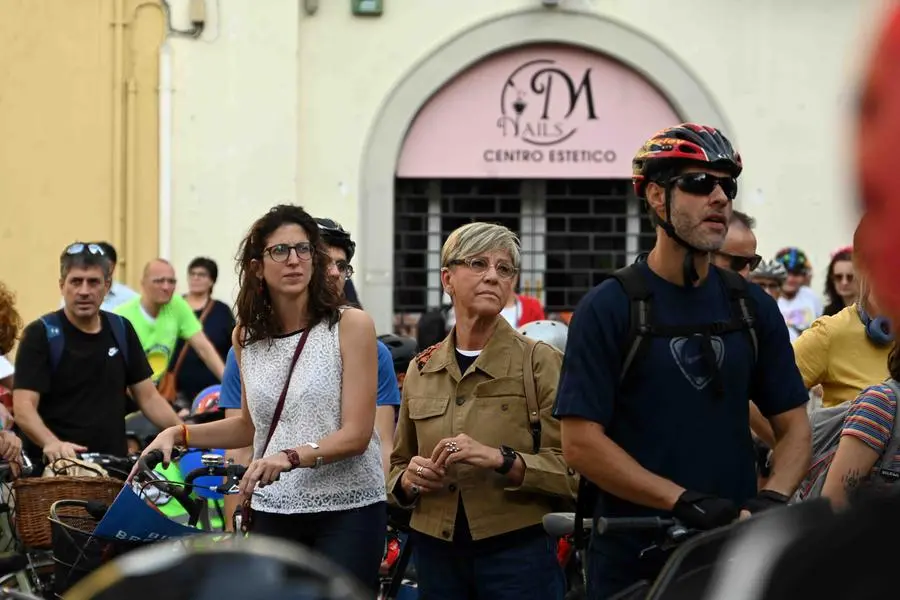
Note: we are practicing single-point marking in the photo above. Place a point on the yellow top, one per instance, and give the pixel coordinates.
(836, 353)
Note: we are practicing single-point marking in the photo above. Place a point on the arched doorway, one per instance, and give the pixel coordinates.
(626, 56)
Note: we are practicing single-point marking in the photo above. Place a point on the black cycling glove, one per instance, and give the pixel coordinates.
(765, 500)
(702, 511)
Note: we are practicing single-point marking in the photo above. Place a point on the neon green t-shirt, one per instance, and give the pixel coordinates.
(176, 320)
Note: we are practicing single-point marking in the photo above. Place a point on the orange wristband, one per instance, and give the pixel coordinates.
(184, 433)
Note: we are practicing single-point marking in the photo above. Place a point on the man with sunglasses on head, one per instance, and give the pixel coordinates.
(660, 362)
(161, 318)
(74, 366)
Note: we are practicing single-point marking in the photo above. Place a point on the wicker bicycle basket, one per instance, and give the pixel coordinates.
(76, 551)
(35, 496)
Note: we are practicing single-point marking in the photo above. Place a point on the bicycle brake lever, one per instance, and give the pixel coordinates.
(649, 549)
(226, 489)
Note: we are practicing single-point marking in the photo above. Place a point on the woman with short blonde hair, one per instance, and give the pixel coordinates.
(477, 454)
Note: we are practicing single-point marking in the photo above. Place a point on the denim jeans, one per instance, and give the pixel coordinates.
(451, 571)
(352, 539)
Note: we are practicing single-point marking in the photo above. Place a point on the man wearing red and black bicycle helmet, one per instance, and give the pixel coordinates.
(660, 361)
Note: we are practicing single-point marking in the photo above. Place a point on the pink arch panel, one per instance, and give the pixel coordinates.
(542, 111)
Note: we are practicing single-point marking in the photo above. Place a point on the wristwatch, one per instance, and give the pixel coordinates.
(293, 457)
(509, 459)
(320, 460)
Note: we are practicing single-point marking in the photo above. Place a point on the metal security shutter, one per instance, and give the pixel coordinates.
(427, 211)
(573, 233)
(593, 227)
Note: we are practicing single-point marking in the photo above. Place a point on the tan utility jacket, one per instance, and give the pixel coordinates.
(487, 404)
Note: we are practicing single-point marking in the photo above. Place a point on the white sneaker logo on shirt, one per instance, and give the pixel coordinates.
(113, 351)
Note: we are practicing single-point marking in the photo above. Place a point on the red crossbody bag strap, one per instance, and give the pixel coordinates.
(287, 382)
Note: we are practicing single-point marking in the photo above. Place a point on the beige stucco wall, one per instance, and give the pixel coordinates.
(272, 104)
(235, 128)
(78, 137)
(779, 73)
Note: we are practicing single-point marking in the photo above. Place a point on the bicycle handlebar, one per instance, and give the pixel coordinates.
(154, 458)
(232, 473)
(182, 494)
(563, 524)
(616, 524)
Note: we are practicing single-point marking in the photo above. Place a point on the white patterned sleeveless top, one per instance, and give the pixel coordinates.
(312, 410)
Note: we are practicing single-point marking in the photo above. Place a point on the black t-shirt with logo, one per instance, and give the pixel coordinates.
(84, 400)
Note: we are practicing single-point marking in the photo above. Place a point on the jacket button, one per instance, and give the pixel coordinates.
(445, 534)
(504, 407)
(452, 487)
(460, 400)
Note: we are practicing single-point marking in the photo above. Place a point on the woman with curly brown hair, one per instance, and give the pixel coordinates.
(10, 326)
(10, 321)
(309, 372)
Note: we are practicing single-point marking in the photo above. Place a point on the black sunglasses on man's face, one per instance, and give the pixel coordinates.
(703, 184)
(739, 263)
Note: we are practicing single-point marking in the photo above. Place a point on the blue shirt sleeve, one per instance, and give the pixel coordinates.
(777, 385)
(589, 380)
(230, 395)
(388, 390)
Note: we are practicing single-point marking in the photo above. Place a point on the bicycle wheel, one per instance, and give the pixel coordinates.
(35, 578)
(216, 567)
(10, 594)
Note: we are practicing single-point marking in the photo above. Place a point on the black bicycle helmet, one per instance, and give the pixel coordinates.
(334, 235)
(216, 567)
(674, 148)
(403, 350)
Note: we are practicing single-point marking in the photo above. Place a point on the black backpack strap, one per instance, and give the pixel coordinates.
(741, 306)
(588, 494)
(640, 327)
(56, 341)
(117, 325)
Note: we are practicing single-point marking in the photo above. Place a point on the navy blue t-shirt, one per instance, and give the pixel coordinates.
(667, 414)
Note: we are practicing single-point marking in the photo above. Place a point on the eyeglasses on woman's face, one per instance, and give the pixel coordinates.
(480, 265)
(281, 252)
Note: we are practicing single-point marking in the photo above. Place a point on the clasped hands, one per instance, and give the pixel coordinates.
(426, 474)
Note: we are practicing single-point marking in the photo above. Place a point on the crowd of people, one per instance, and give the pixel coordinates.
(675, 372)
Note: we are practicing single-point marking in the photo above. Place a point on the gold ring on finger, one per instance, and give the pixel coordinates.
(419, 470)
